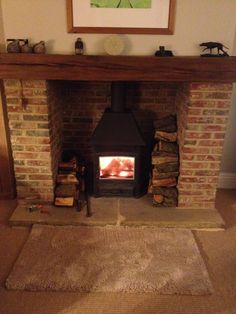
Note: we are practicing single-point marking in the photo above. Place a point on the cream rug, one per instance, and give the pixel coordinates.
(114, 259)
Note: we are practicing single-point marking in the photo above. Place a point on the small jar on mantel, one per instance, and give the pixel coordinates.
(79, 47)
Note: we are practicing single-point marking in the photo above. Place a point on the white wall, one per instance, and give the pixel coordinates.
(2, 39)
(228, 166)
(196, 22)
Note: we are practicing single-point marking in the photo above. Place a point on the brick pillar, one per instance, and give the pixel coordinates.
(30, 114)
(202, 110)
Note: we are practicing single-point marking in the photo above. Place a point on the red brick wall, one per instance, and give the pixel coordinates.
(29, 119)
(45, 117)
(202, 118)
(84, 103)
(55, 125)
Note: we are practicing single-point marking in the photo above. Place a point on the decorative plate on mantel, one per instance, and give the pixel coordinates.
(114, 45)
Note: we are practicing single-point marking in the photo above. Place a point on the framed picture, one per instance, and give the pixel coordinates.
(121, 16)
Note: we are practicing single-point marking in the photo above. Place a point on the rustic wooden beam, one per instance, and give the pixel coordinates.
(117, 68)
(7, 182)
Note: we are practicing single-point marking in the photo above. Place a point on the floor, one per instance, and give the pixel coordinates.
(218, 249)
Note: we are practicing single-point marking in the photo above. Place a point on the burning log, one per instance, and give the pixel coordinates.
(118, 167)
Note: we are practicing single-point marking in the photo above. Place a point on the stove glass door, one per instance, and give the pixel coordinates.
(116, 167)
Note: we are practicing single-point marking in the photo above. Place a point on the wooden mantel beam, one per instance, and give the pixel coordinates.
(117, 68)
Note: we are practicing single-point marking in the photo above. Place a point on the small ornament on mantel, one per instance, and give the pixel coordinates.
(79, 47)
(163, 53)
(26, 48)
(215, 46)
(39, 47)
(14, 45)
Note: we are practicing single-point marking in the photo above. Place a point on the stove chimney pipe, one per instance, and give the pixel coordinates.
(117, 97)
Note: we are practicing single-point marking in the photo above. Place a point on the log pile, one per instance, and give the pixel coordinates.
(70, 184)
(165, 161)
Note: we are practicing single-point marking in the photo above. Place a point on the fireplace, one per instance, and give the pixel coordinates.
(197, 89)
(120, 153)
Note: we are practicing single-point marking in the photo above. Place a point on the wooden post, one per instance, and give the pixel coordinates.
(7, 186)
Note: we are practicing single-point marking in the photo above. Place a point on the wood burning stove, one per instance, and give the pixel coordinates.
(120, 157)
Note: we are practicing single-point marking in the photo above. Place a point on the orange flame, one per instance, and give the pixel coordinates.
(120, 167)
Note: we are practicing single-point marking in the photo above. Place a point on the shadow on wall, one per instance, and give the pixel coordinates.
(2, 48)
(228, 159)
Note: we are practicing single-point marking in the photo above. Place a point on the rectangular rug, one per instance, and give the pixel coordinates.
(110, 259)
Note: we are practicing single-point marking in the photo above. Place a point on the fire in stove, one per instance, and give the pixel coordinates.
(116, 167)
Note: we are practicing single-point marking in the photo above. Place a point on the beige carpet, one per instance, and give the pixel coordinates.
(112, 259)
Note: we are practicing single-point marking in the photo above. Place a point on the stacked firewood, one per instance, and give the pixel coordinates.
(70, 183)
(165, 161)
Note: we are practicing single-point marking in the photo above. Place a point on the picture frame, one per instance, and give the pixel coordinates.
(159, 19)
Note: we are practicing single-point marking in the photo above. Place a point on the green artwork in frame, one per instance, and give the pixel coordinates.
(130, 4)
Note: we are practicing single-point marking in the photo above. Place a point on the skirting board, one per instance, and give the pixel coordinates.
(227, 180)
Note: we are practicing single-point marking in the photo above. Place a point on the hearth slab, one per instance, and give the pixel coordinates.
(121, 211)
(136, 212)
(104, 213)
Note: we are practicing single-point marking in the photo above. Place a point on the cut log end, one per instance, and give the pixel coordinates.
(158, 198)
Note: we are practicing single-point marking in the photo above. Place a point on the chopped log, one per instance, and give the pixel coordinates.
(171, 192)
(168, 147)
(155, 149)
(170, 196)
(166, 136)
(158, 198)
(150, 189)
(150, 185)
(167, 167)
(63, 190)
(166, 203)
(66, 171)
(68, 165)
(162, 157)
(162, 175)
(67, 179)
(164, 182)
(64, 201)
(167, 124)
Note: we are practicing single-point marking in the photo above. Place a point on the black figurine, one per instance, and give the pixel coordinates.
(214, 45)
(163, 53)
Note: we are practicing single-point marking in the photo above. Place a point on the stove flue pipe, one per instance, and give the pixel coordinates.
(117, 97)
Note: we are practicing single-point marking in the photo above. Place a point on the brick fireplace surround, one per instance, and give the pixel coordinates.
(55, 102)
